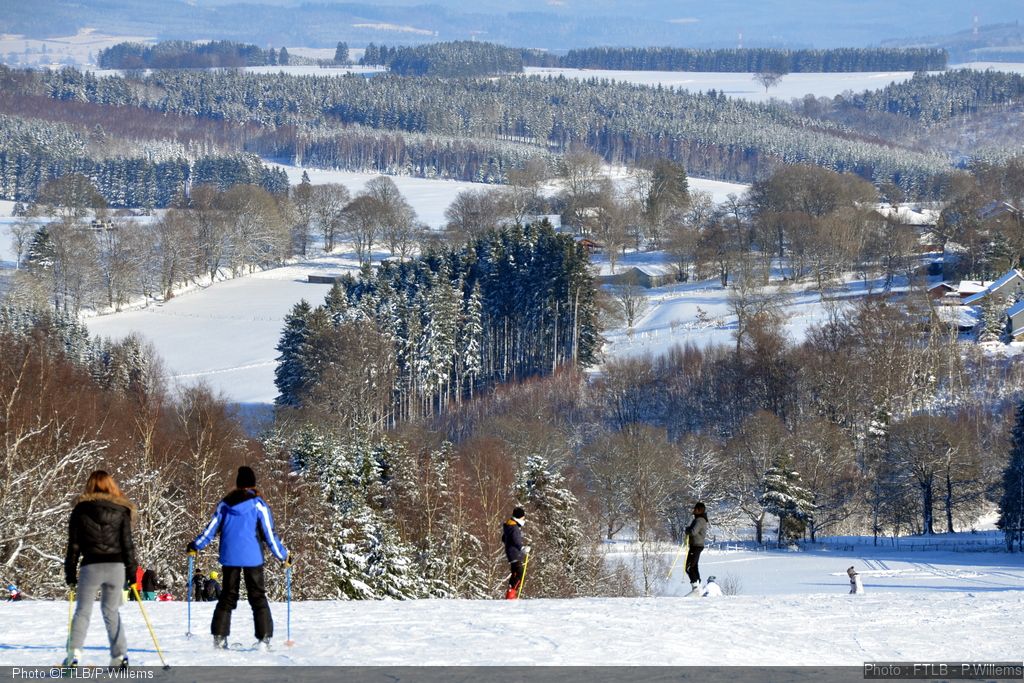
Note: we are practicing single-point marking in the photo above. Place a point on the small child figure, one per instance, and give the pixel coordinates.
(856, 587)
(13, 593)
(712, 589)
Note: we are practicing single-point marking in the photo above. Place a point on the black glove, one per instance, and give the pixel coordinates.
(127, 585)
(71, 580)
(191, 548)
(289, 560)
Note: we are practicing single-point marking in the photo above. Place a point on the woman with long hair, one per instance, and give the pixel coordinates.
(100, 533)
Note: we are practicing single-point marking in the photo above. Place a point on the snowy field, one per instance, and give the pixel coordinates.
(430, 197)
(225, 334)
(86, 43)
(313, 70)
(698, 313)
(792, 609)
(741, 85)
(1012, 67)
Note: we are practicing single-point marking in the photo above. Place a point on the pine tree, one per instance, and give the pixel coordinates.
(290, 374)
(282, 57)
(366, 558)
(1011, 505)
(559, 564)
(341, 53)
(992, 325)
(41, 252)
(471, 340)
(785, 498)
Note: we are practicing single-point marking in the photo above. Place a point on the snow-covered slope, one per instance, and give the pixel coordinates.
(818, 629)
(793, 608)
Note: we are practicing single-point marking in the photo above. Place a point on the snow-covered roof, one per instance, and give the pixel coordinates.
(948, 285)
(1003, 282)
(906, 215)
(656, 269)
(973, 286)
(997, 208)
(963, 317)
(1015, 309)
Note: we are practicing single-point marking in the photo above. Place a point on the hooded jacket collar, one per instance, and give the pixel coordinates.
(107, 498)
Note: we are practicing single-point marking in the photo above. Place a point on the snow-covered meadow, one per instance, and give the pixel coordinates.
(741, 85)
(793, 608)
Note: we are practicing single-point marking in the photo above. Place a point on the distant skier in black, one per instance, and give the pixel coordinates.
(149, 585)
(695, 533)
(195, 587)
(515, 551)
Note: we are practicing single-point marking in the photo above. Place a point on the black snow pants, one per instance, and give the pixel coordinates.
(692, 557)
(256, 594)
(516, 575)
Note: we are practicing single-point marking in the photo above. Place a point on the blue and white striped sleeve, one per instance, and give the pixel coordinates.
(204, 539)
(267, 522)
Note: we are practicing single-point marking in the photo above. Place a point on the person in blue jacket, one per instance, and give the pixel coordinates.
(245, 524)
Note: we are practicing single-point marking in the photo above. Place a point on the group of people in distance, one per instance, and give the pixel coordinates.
(101, 557)
(518, 555)
(100, 536)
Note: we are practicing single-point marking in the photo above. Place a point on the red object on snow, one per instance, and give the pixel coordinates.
(165, 597)
(510, 594)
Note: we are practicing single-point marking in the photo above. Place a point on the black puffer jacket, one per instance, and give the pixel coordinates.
(512, 537)
(100, 530)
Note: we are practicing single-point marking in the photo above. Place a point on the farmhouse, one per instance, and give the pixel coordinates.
(1006, 286)
(1016, 315)
(944, 292)
(646, 275)
(995, 211)
(325, 279)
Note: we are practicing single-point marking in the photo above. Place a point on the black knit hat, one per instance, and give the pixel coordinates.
(246, 478)
(519, 513)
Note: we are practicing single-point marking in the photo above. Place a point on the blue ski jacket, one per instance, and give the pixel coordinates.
(245, 523)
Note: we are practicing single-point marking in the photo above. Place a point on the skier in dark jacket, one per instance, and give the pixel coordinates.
(149, 585)
(100, 533)
(211, 589)
(695, 535)
(195, 587)
(245, 524)
(515, 551)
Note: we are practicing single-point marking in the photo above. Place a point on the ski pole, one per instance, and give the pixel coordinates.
(522, 581)
(145, 617)
(188, 594)
(684, 546)
(71, 606)
(288, 596)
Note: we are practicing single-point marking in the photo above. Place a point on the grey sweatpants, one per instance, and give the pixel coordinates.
(108, 578)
